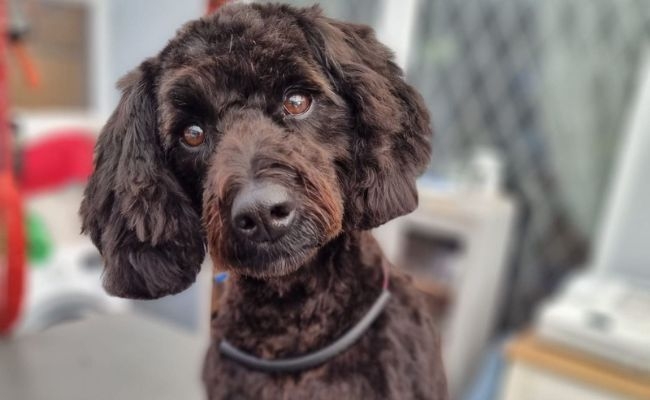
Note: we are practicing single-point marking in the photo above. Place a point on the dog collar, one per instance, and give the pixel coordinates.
(318, 357)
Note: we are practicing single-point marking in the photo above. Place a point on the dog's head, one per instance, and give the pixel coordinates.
(263, 131)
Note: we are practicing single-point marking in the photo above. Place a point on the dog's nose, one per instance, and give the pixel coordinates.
(263, 212)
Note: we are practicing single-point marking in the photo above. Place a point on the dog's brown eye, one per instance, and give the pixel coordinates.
(296, 103)
(193, 136)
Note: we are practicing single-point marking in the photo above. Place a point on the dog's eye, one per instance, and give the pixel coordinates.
(193, 136)
(296, 103)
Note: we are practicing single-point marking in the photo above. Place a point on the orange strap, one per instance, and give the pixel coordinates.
(26, 63)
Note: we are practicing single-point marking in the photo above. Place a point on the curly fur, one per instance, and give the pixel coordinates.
(153, 205)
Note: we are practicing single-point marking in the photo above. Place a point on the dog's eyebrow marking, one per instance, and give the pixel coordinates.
(321, 82)
(190, 87)
(189, 97)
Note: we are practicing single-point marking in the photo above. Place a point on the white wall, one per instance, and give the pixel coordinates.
(138, 29)
(624, 245)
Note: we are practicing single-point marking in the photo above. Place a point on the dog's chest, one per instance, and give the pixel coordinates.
(388, 362)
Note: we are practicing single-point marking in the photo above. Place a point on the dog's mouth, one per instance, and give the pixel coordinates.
(273, 258)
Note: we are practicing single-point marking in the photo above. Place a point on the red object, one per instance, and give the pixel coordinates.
(12, 253)
(64, 156)
(12, 235)
(213, 5)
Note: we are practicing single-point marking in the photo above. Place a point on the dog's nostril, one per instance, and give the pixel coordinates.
(245, 222)
(281, 211)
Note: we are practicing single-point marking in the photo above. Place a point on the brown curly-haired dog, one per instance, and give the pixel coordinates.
(278, 137)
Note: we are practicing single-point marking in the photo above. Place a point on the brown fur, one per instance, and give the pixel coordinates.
(153, 204)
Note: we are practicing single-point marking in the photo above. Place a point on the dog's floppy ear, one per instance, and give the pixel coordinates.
(392, 142)
(134, 209)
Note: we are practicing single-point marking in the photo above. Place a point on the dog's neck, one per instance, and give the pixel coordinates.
(308, 309)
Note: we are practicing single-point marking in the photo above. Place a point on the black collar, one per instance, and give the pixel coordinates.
(317, 357)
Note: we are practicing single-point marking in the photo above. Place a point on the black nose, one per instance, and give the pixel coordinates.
(263, 212)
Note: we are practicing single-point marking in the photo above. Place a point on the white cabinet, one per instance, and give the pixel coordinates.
(538, 370)
(460, 243)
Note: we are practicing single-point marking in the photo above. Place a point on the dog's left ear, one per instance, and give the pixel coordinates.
(392, 141)
(134, 208)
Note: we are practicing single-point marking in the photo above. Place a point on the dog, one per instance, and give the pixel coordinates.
(275, 138)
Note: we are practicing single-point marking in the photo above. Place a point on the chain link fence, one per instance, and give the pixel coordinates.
(547, 85)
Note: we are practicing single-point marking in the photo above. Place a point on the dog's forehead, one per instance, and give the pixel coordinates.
(242, 46)
(239, 34)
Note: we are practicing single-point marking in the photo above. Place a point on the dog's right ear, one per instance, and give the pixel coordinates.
(134, 209)
(391, 144)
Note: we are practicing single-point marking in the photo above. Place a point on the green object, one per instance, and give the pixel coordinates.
(39, 242)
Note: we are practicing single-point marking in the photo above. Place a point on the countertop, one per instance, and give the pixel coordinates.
(105, 357)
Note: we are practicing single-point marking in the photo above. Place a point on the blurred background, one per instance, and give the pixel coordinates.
(531, 241)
